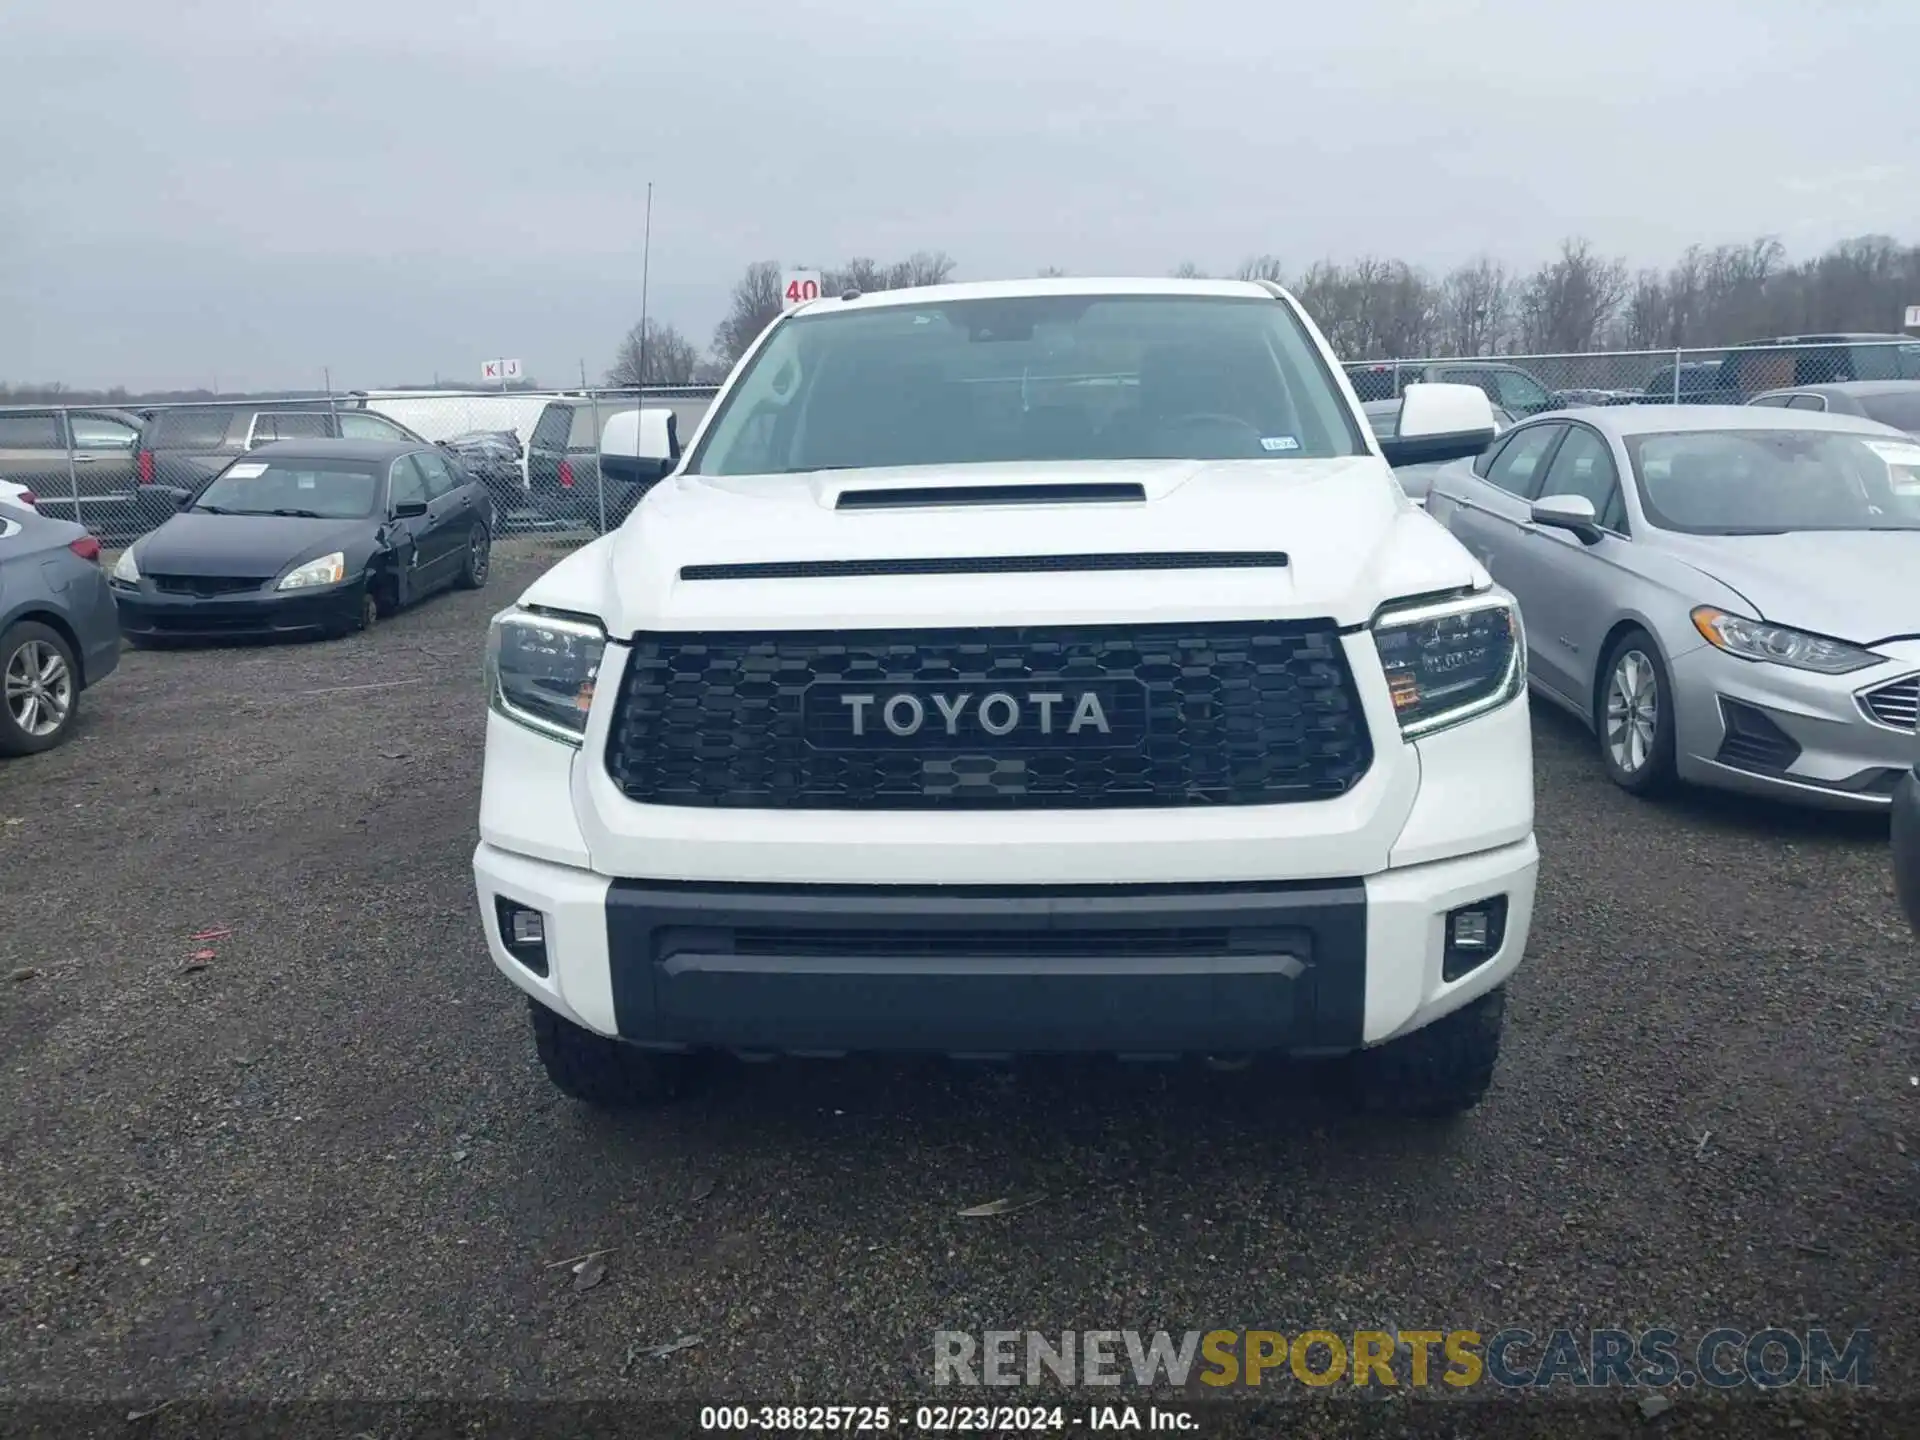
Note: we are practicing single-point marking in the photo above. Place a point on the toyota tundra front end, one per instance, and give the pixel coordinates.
(1043, 667)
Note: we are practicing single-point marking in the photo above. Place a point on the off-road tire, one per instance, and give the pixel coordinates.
(600, 1072)
(1440, 1070)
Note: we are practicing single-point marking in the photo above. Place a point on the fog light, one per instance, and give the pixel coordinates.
(1474, 936)
(523, 932)
(1469, 930)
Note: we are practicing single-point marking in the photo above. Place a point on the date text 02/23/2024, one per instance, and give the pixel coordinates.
(944, 1419)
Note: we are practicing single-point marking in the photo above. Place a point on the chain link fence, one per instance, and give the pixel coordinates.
(121, 471)
(1727, 375)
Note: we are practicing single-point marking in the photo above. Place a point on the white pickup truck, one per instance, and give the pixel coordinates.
(1046, 666)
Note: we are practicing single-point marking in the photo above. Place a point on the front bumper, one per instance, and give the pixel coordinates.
(1769, 730)
(149, 613)
(1317, 967)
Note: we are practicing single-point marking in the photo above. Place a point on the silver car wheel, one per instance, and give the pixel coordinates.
(39, 689)
(1633, 711)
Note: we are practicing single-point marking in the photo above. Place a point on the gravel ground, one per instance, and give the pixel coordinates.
(325, 1164)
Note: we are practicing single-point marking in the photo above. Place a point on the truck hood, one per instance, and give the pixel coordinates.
(1350, 537)
(1851, 584)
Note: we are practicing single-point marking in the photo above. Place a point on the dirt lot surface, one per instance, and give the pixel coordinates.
(324, 1163)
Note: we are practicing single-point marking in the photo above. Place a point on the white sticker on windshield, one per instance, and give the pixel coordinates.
(304, 482)
(246, 471)
(1279, 442)
(1895, 452)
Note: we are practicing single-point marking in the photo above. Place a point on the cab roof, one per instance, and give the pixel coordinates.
(1049, 285)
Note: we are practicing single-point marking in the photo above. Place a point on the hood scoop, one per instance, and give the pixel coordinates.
(989, 565)
(917, 497)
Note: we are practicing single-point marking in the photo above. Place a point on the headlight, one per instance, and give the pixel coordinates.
(541, 669)
(1451, 660)
(327, 570)
(1755, 640)
(126, 569)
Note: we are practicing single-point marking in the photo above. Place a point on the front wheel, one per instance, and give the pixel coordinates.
(473, 571)
(1635, 722)
(1440, 1070)
(600, 1072)
(39, 691)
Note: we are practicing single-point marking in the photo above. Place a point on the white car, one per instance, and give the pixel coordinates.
(1046, 666)
(19, 495)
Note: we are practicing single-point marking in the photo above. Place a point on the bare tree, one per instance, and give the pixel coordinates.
(1187, 270)
(660, 356)
(1649, 320)
(1051, 272)
(754, 306)
(924, 267)
(1475, 308)
(1402, 306)
(1568, 303)
(1263, 267)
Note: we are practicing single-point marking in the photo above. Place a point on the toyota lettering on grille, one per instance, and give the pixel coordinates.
(981, 717)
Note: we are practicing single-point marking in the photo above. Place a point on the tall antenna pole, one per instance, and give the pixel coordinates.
(646, 261)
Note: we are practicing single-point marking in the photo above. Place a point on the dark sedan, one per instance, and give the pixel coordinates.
(307, 537)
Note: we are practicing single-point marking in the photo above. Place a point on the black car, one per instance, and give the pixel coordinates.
(304, 537)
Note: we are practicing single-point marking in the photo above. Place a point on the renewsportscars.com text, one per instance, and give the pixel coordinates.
(1720, 1359)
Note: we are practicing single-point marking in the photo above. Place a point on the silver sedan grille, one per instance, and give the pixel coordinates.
(1895, 704)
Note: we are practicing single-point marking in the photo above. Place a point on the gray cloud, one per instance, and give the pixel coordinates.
(249, 192)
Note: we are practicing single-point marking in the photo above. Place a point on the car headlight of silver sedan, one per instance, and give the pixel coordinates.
(541, 671)
(327, 570)
(1448, 661)
(1779, 644)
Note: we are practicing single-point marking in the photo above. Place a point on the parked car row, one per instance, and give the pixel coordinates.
(303, 537)
(121, 472)
(1747, 370)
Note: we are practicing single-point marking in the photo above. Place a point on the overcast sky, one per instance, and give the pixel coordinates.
(240, 192)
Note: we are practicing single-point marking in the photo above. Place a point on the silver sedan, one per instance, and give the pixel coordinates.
(1725, 595)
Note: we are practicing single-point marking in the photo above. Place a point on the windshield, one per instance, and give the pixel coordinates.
(1036, 378)
(1766, 482)
(1901, 410)
(322, 489)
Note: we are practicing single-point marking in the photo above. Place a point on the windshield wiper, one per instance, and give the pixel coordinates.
(295, 514)
(211, 510)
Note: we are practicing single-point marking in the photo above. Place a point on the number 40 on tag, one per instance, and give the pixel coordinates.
(799, 286)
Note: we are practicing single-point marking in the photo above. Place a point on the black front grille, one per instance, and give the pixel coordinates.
(207, 585)
(1248, 713)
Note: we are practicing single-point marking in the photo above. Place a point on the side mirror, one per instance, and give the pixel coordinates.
(409, 509)
(1572, 513)
(1440, 422)
(639, 446)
